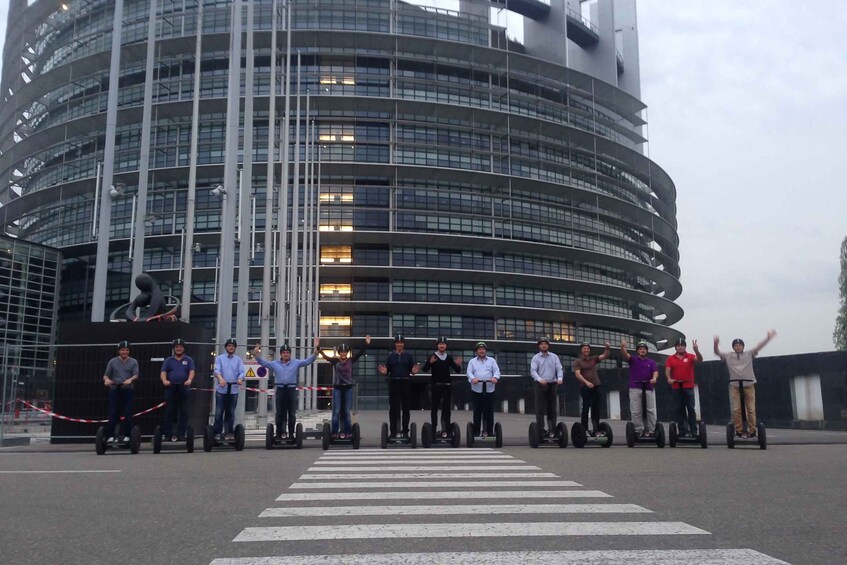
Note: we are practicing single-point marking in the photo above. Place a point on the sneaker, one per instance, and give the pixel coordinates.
(398, 435)
(738, 434)
(173, 439)
(444, 434)
(551, 434)
(649, 435)
(278, 437)
(745, 436)
(752, 434)
(600, 434)
(111, 439)
(126, 439)
(484, 434)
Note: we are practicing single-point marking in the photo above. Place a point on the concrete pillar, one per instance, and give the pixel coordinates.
(521, 406)
(697, 403)
(262, 406)
(505, 408)
(806, 397)
(613, 400)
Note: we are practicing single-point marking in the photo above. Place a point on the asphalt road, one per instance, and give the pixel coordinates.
(65, 504)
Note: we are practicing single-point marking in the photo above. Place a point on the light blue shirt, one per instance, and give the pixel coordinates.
(483, 369)
(547, 368)
(286, 373)
(231, 368)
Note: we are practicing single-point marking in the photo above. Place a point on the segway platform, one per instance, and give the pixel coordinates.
(296, 442)
(160, 442)
(350, 440)
(388, 440)
(674, 438)
(484, 440)
(539, 437)
(210, 442)
(761, 437)
(102, 443)
(581, 438)
(430, 436)
(657, 438)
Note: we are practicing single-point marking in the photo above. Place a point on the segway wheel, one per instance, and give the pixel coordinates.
(610, 438)
(426, 435)
(533, 435)
(660, 435)
(383, 436)
(208, 439)
(762, 434)
(672, 434)
(189, 440)
(157, 439)
(239, 437)
(630, 434)
(730, 435)
(357, 435)
(456, 440)
(326, 436)
(498, 435)
(298, 436)
(469, 432)
(562, 435)
(269, 436)
(413, 435)
(100, 441)
(135, 440)
(579, 436)
(702, 435)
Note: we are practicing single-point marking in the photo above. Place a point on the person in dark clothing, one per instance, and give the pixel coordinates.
(585, 369)
(440, 363)
(342, 386)
(177, 375)
(120, 373)
(399, 366)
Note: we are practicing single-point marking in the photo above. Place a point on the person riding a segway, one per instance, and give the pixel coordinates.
(585, 369)
(121, 372)
(286, 383)
(643, 374)
(742, 383)
(342, 389)
(440, 363)
(229, 374)
(679, 371)
(547, 372)
(399, 367)
(177, 375)
(483, 374)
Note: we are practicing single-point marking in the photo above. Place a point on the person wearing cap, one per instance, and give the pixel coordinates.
(440, 363)
(177, 375)
(286, 378)
(342, 386)
(679, 370)
(229, 374)
(399, 366)
(585, 369)
(120, 373)
(642, 369)
(740, 366)
(483, 374)
(547, 372)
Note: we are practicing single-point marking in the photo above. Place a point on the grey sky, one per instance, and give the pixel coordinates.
(748, 113)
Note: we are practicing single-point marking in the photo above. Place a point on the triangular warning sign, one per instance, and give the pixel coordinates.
(250, 373)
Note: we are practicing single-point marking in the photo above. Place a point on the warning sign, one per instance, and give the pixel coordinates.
(254, 370)
(250, 373)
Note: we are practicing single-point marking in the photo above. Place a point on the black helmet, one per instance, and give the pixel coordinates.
(737, 341)
(543, 339)
(285, 347)
(480, 344)
(231, 341)
(399, 338)
(343, 348)
(642, 344)
(680, 341)
(584, 344)
(178, 341)
(123, 344)
(441, 339)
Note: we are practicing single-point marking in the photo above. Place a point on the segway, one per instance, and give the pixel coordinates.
(159, 441)
(675, 438)
(430, 436)
(581, 438)
(398, 440)
(658, 437)
(294, 442)
(539, 436)
(102, 444)
(484, 439)
(761, 437)
(352, 439)
(209, 440)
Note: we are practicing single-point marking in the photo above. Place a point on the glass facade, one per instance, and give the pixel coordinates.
(469, 185)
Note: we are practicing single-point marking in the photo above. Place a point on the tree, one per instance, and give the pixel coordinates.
(839, 336)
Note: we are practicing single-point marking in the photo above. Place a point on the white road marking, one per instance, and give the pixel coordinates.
(494, 460)
(476, 476)
(601, 557)
(452, 510)
(434, 484)
(65, 472)
(434, 467)
(439, 495)
(412, 452)
(466, 530)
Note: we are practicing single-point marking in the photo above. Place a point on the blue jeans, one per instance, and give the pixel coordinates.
(225, 411)
(176, 396)
(341, 396)
(115, 394)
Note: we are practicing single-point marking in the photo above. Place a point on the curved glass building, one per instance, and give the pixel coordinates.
(473, 169)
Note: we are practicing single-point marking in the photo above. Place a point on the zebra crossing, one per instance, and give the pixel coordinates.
(367, 495)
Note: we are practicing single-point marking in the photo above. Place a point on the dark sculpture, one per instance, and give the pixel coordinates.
(150, 305)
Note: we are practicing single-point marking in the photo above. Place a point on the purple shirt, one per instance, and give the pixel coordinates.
(641, 370)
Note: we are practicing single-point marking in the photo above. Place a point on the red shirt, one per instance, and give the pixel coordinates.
(682, 369)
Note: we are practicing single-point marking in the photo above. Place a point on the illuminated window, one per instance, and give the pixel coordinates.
(337, 254)
(334, 132)
(336, 291)
(335, 326)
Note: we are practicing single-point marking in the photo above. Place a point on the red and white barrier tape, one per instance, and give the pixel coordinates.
(86, 420)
